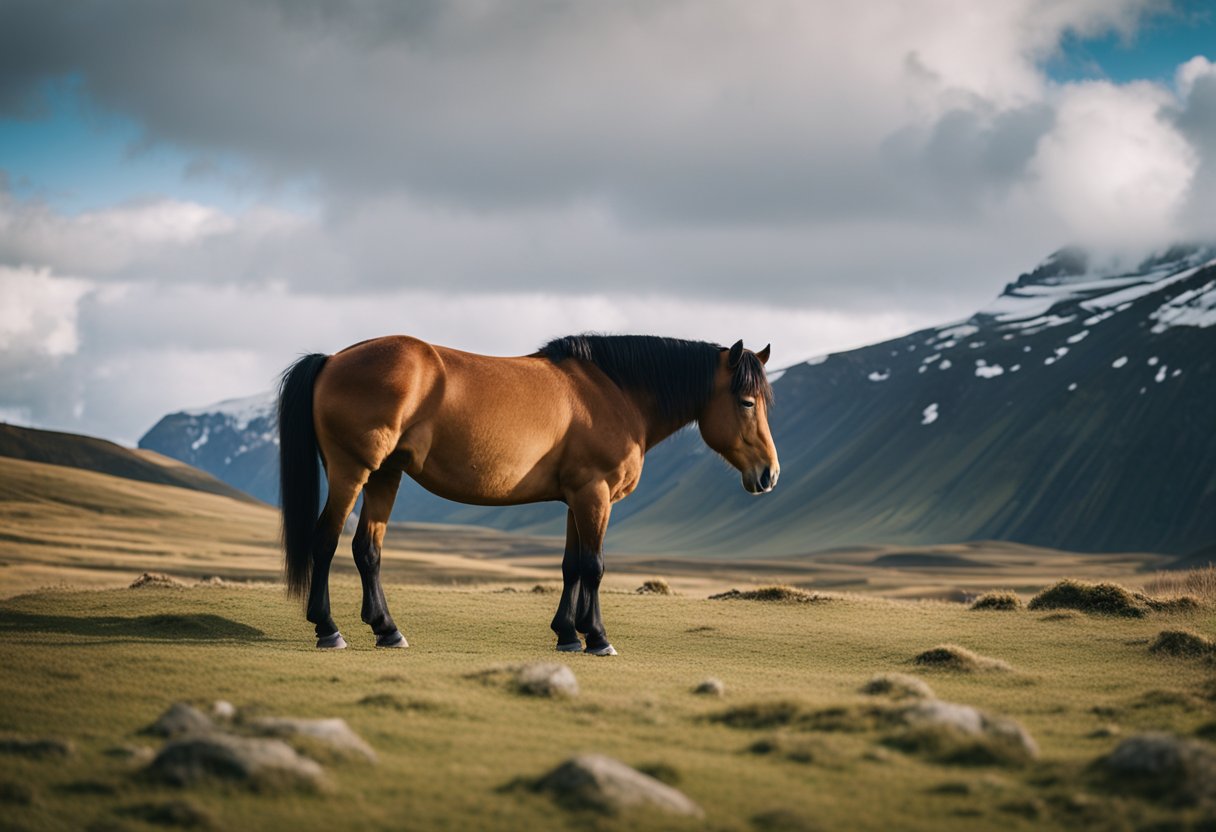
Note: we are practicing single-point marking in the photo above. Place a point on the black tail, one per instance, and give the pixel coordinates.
(299, 478)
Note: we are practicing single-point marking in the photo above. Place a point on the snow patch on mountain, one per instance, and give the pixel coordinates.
(240, 411)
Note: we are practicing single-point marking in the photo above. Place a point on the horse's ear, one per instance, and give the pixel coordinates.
(736, 352)
(764, 353)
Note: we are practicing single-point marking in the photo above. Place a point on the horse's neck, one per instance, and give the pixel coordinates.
(655, 427)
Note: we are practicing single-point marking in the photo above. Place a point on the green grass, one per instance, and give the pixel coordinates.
(95, 667)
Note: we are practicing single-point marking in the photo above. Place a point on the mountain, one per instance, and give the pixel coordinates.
(1075, 411)
(98, 455)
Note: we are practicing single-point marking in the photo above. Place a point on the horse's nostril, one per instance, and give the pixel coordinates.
(766, 479)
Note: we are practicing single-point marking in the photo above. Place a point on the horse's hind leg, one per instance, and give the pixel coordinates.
(378, 497)
(343, 491)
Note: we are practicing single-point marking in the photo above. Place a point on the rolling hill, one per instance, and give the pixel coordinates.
(1073, 412)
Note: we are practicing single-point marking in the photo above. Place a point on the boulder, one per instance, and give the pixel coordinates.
(180, 720)
(938, 727)
(546, 679)
(598, 782)
(1164, 765)
(710, 687)
(255, 763)
(334, 734)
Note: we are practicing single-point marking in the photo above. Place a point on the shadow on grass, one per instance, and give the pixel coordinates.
(190, 627)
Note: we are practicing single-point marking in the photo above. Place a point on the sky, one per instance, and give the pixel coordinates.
(192, 195)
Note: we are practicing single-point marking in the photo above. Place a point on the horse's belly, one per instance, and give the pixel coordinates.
(489, 474)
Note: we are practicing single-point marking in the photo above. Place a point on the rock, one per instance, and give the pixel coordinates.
(710, 687)
(179, 720)
(935, 712)
(546, 679)
(898, 686)
(39, 748)
(223, 710)
(1164, 766)
(599, 782)
(1003, 738)
(334, 734)
(259, 764)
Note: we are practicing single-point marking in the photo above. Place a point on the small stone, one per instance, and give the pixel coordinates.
(179, 720)
(546, 679)
(259, 764)
(599, 782)
(335, 734)
(223, 710)
(38, 748)
(710, 687)
(1004, 733)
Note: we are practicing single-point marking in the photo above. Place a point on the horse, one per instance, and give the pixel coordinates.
(569, 423)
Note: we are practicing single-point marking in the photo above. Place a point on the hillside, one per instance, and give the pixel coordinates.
(1073, 412)
(91, 454)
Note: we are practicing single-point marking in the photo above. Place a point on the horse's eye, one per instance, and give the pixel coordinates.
(746, 403)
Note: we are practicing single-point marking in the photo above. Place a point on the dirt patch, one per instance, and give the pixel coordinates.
(998, 600)
(959, 659)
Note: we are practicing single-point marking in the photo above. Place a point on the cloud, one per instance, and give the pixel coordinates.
(488, 175)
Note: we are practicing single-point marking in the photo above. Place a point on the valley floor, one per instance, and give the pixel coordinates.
(777, 752)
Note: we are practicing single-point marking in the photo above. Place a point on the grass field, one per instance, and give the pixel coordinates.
(93, 667)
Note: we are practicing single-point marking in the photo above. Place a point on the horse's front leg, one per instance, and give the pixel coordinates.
(591, 509)
(563, 621)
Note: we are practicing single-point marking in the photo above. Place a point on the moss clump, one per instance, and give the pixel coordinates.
(948, 744)
(1182, 643)
(154, 580)
(779, 593)
(1101, 599)
(960, 659)
(998, 600)
(654, 586)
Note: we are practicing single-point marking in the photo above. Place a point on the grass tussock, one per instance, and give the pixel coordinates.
(1182, 643)
(1199, 583)
(654, 586)
(778, 593)
(1107, 599)
(998, 600)
(959, 659)
(155, 580)
(897, 686)
(759, 715)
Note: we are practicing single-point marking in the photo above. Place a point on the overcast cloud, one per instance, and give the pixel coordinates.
(487, 175)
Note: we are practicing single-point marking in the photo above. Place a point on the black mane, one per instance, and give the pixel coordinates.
(678, 373)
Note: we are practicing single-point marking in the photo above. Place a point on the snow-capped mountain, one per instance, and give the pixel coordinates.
(1077, 410)
(235, 440)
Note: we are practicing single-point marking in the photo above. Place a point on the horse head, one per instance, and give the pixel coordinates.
(735, 420)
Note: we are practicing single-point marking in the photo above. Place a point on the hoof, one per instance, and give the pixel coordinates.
(394, 639)
(606, 650)
(331, 642)
(570, 647)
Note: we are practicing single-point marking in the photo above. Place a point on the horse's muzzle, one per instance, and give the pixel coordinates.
(761, 480)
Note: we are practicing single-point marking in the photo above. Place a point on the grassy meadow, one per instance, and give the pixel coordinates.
(94, 667)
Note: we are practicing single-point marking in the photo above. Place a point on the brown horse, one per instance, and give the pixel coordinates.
(570, 423)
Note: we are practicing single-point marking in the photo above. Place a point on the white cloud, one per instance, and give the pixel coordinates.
(1115, 169)
(38, 313)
